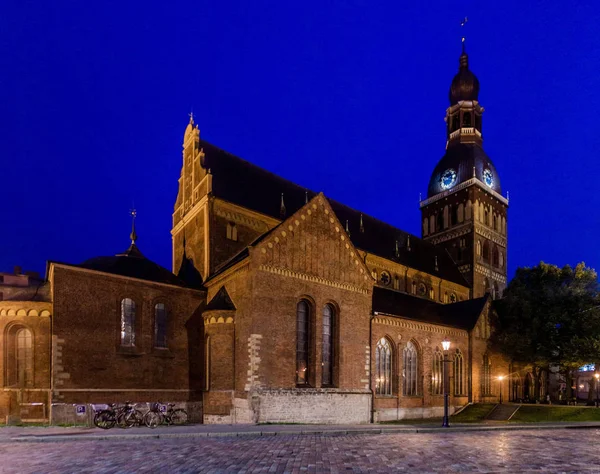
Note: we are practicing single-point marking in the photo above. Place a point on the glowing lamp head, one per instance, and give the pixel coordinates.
(597, 375)
(446, 343)
(501, 378)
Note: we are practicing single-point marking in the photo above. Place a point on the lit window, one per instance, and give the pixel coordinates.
(383, 367)
(24, 358)
(459, 388)
(160, 326)
(431, 294)
(410, 359)
(328, 338)
(486, 376)
(414, 287)
(127, 322)
(437, 373)
(302, 338)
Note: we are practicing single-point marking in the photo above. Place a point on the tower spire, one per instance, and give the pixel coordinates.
(282, 210)
(133, 235)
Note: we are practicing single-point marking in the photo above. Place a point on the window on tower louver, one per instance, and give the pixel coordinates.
(328, 344)
(383, 367)
(127, 322)
(467, 119)
(302, 342)
(160, 326)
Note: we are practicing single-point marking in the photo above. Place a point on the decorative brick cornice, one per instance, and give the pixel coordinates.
(403, 323)
(312, 278)
(449, 234)
(25, 308)
(490, 234)
(485, 271)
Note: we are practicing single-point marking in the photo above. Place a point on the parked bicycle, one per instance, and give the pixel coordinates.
(167, 414)
(126, 416)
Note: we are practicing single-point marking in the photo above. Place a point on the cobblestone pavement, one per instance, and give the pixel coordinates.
(501, 451)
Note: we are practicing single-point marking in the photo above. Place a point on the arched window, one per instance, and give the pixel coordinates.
(485, 217)
(495, 221)
(486, 251)
(440, 221)
(437, 373)
(328, 344)
(459, 385)
(488, 286)
(460, 213)
(455, 122)
(479, 248)
(431, 293)
(495, 257)
(496, 291)
(414, 288)
(160, 325)
(486, 376)
(127, 322)
(383, 367)
(432, 224)
(425, 226)
(501, 260)
(302, 342)
(410, 363)
(467, 119)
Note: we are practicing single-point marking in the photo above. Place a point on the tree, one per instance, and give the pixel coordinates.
(549, 317)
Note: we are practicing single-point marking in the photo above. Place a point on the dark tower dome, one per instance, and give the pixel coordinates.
(465, 85)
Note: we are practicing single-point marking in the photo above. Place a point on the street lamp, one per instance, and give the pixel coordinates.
(501, 378)
(597, 375)
(446, 347)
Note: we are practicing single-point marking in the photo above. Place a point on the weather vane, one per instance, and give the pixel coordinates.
(462, 25)
(133, 235)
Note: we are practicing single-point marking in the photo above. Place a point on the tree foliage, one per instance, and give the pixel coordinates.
(549, 317)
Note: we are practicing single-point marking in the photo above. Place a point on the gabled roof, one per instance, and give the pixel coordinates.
(221, 301)
(245, 184)
(462, 315)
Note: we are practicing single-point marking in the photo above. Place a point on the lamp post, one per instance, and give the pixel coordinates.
(501, 378)
(597, 375)
(446, 347)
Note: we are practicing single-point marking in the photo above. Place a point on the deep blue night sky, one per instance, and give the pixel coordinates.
(347, 98)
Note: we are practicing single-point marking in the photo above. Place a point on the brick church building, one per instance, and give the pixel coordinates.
(282, 305)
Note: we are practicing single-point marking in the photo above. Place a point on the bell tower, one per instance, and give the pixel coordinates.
(465, 212)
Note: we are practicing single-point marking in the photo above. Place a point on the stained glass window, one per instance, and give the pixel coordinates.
(127, 322)
(383, 367)
(160, 325)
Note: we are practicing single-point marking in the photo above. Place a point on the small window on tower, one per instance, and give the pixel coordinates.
(232, 232)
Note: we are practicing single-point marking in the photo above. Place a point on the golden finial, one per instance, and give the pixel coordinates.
(133, 235)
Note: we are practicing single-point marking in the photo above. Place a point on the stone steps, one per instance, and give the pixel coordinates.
(502, 412)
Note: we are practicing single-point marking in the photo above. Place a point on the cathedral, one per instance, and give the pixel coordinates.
(282, 305)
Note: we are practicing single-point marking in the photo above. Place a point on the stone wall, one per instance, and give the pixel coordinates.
(325, 406)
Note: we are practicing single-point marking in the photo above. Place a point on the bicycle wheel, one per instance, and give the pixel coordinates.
(134, 418)
(179, 417)
(105, 419)
(152, 419)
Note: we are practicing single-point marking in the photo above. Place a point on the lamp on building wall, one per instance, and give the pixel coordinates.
(500, 379)
(446, 347)
(597, 375)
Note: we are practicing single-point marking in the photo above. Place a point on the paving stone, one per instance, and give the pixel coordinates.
(541, 451)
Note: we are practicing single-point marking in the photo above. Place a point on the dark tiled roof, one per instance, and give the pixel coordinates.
(462, 157)
(463, 314)
(240, 182)
(133, 264)
(221, 301)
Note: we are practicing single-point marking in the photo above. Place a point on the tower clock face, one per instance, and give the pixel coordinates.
(448, 178)
(488, 177)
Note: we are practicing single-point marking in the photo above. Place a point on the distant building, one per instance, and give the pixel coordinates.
(283, 305)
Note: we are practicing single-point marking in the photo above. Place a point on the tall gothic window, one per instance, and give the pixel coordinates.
(467, 119)
(127, 322)
(410, 362)
(328, 346)
(486, 251)
(437, 373)
(19, 357)
(383, 367)
(160, 325)
(302, 342)
(459, 387)
(486, 376)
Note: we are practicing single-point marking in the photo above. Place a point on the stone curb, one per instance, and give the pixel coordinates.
(341, 432)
